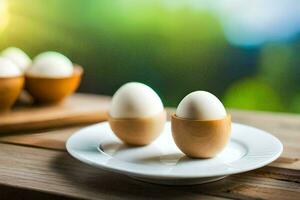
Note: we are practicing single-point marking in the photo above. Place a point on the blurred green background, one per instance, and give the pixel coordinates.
(250, 60)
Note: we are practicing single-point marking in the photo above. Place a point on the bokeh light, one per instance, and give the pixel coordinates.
(252, 94)
(3, 15)
(243, 51)
(254, 22)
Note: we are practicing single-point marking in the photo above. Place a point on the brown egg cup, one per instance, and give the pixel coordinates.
(139, 131)
(201, 138)
(53, 90)
(10, 88)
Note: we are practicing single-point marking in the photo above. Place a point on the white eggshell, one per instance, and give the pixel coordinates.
(51, 64)
(134, 100)
(8, 68)
(19, 57)
(201, 105)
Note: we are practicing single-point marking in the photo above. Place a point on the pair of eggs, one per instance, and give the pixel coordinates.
(200, 127)
(49, 78)
(15, 62)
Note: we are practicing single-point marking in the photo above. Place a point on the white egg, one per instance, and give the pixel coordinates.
(19, 57)
(51, 64)
(134, 100)
(8, 68)
(201, 105)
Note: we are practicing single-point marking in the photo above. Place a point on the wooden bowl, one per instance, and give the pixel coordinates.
(138, 131)
(201, 139)
(52, 90)
(10, 88)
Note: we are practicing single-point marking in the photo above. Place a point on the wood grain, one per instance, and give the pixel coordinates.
(41, 171)
(16, 193)
(78, 109)
(55, 139)
(56, 172)
(51, 139)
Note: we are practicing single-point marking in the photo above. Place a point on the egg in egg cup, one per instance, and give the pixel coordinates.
(201, 127)
(137, 116)
(18, 57)
(52, 78)
(138, 131)
(51, 89)
(11, 84)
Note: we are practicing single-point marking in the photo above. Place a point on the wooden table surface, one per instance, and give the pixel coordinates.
(37, 173)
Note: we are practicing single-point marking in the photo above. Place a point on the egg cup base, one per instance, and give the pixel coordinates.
(201, 138)
(10, 88)
(138, 131)
(51, 90)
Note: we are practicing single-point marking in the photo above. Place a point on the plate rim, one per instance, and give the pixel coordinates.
(169, 176)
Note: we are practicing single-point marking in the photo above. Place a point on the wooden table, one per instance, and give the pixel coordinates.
(36, 173)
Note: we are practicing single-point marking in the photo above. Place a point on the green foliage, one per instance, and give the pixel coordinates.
(294, 105)
(279, 67)
(253, 94)
(174, 49)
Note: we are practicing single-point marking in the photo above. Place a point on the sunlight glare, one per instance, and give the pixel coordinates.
(3, 15)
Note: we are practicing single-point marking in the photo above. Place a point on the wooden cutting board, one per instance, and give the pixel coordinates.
(77, 109)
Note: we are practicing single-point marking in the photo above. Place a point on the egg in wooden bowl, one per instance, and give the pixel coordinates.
(137, 114)
(201, 126)
(11, 83)
(18, 57)
(52, 77)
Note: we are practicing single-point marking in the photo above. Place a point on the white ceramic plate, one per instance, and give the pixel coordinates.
(162, 162)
